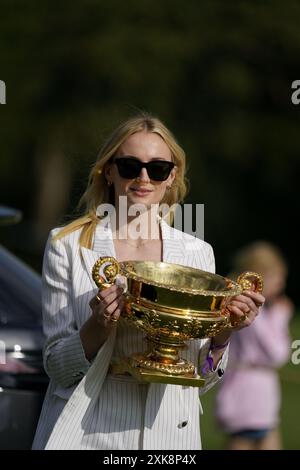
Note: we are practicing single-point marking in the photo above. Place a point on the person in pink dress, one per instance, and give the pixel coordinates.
(248, 400)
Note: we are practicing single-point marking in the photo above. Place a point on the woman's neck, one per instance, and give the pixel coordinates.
(144, 226)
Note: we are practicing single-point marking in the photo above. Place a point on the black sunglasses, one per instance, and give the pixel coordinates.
(130, 168)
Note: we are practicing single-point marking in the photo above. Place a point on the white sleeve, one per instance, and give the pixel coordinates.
(64, 357)
(214, 376)
(211, 264)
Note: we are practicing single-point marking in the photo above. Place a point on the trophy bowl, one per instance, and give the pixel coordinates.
(172, 304)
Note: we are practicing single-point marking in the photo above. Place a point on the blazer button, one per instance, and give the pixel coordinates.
(182, 425)
(220, 372)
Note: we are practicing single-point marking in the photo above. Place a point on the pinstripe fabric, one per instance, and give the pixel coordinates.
(87, 408)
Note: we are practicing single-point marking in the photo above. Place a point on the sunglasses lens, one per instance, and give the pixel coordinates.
(128, 168)
(159, 170)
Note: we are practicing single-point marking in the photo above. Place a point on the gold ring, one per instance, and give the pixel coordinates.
(114, 320)
(247, 313)
(98, 298)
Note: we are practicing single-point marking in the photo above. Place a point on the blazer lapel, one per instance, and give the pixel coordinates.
(103, 245)
(173, 245)
(180, 248)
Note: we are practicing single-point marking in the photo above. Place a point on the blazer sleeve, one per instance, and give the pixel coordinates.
(64, 357)
(214, 376)
(211, 377)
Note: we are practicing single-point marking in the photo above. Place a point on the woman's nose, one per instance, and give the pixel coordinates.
(143, 176)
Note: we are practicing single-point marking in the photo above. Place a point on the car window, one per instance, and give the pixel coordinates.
(20, 292)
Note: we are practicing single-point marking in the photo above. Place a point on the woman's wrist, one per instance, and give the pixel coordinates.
(92, 336)
(216, 347)
(220, 341)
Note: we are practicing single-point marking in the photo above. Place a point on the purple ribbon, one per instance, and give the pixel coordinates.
(208, 365)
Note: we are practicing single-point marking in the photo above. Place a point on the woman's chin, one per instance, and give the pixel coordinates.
(145, 199)
(139, 198)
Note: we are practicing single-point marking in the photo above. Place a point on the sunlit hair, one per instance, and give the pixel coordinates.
(261, 257)
(98, 191)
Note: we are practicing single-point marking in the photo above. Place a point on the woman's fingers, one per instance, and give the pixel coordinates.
(242, 310)
(112, 297)
(116, 304)
(237, 312)
(109, 291)
(256, 297)
(238, 318)
(106, 296)
(108, 304)
(102, 295)
(116, 314)
(244, 307)
(112, 314)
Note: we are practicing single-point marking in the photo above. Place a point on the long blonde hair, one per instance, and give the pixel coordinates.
(98, 191)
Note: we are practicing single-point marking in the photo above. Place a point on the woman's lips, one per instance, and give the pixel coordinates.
(141, 191)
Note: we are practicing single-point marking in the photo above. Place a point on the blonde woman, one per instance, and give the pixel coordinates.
(86, 406)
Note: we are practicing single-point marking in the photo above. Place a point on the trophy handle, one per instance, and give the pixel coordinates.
(109, 267)
(251, 281)
(248, 281)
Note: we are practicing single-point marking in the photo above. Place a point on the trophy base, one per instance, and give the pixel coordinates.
(141, 374)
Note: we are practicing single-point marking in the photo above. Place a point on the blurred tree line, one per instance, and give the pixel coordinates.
(217, 73)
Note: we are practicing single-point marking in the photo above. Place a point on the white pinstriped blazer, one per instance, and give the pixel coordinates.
(85, 407)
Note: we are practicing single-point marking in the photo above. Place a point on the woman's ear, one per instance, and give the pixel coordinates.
(108, 171)
(172, 176)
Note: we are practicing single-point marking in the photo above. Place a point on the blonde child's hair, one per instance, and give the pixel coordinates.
(260, 257)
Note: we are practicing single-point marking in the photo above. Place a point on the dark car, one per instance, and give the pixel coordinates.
(23, 381)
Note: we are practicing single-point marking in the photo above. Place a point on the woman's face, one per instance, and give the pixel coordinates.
(144, 146)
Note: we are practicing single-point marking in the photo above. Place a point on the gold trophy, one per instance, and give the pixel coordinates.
(172, 304)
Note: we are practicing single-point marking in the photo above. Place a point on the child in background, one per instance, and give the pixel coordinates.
(248, 400)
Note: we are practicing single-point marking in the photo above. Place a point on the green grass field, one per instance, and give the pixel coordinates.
(212, 438)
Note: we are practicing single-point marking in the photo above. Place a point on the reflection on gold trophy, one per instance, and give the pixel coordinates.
(172, 304)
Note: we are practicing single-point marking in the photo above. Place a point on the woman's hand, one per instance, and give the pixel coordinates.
(244, 308)
(107, 306)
